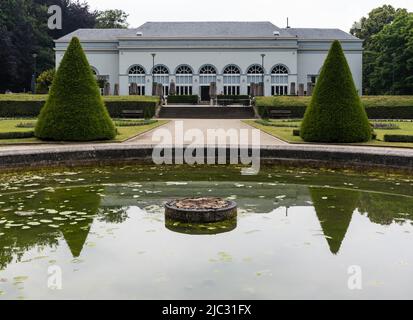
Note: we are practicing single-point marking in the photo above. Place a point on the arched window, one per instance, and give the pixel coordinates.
(184, 80)
(137, 80)
(255, 74)
(279, 80)
(161, 75)
(207, 74)
(232, 80)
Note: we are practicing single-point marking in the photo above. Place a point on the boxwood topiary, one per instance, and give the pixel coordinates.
(74, 110)
(335, 113)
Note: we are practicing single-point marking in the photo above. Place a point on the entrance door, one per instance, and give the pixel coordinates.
(205, 93)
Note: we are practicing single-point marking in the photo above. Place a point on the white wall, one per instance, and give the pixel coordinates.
(220, 59)
(105, 63)
(310, 63)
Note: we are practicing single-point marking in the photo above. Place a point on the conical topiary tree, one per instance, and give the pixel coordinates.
(74, 110)
(335, 113)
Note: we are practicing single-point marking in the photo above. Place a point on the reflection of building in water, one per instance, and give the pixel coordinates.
(252, 196)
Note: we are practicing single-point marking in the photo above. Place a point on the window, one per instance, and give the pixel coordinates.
(255, 74)
(232, 80)
(137, 80)
(279, 80)
(161, 75)
(207, 74)
(184, 80)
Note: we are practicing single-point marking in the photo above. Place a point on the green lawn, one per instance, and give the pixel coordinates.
(286, 134)
(125, 133)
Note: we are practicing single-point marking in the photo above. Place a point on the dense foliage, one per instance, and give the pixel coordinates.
(44, 81)
(388, 50)
(335, 113)
(74, 110)
(24, 31)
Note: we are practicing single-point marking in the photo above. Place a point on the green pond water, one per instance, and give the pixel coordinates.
(297, 234)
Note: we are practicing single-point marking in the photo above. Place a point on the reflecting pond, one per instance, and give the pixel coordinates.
(100, 233)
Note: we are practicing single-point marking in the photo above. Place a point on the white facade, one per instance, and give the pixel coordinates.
(293, 57)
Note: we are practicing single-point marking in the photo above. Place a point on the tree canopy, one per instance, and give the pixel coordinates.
(112, 19)
(388, 50)
(24, 31)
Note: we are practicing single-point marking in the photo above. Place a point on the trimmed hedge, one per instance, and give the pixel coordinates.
(377, 107)
(234, 99)
(16, 107)
(16, 135)
(277, 125)
(398, 138)
(134, 123)
(193, 99)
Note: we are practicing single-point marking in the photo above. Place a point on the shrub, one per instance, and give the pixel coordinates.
(16, 135)
(183, 99)
(74, 110)
(335, 113)
(44, 81)
(398, 138)
(296, 133)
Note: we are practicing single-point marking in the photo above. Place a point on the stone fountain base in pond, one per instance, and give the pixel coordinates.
(201, 210)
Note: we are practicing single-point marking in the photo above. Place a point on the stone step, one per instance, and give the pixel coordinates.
(203, 112)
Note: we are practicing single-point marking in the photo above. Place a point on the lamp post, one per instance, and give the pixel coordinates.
(153, 76)
(263, 73)
(33, 84)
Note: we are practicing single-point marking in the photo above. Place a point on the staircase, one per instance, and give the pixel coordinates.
(206, 112)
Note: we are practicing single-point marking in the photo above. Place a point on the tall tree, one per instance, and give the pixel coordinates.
(112, 19)
(393, 49)
(16, 42)
(24, 31)
(387, 50)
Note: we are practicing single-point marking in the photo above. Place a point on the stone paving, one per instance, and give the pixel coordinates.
(203, 125)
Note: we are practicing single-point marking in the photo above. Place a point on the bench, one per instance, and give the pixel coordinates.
(275, 113)
(132, 113)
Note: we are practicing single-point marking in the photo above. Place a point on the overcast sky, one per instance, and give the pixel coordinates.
(302, 13)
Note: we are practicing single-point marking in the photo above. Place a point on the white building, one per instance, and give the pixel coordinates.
(231, 54)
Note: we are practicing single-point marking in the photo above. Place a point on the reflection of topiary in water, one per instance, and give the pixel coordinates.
(334, 210)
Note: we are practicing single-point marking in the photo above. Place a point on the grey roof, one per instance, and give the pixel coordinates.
(207, 29)
(320, 34)
(99, 34)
